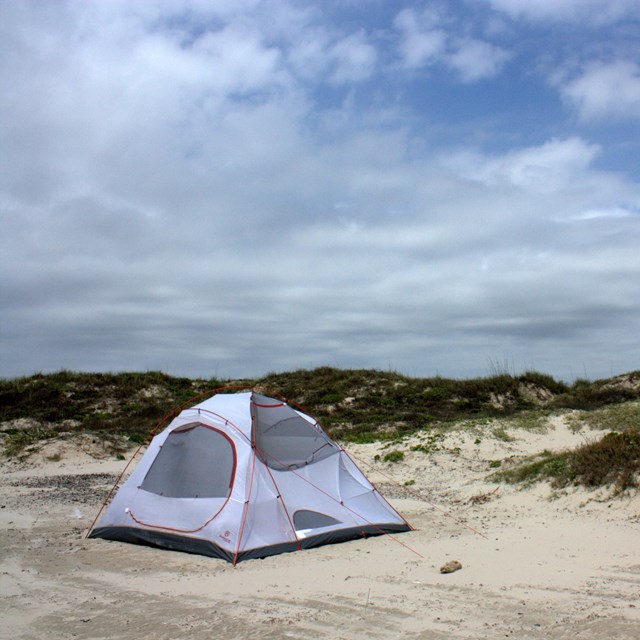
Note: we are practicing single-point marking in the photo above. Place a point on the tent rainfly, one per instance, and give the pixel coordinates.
(243, 476)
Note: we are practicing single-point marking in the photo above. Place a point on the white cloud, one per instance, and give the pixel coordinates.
(353, 57)
(308, 56)
(236, 60)
(316, 54)
(422, 41)
(430, 38)
(591, 11)
(605, 90)
(475, 59)
(173, 197)
(598, 214)
(547, 168)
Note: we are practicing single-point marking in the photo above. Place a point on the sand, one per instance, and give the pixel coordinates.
(535, 563)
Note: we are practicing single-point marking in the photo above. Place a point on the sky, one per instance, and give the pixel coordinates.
(231, 188)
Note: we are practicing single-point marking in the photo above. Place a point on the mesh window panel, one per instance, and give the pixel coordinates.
(194, 462)
(285, 440)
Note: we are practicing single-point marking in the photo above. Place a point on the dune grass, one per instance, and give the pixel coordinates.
(353, 405)
(618, 417)
(612, 460)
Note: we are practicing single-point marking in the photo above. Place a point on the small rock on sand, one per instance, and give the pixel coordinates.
(450, 567)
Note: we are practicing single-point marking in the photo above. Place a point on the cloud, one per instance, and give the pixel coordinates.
(591, 11)
(233, 60)
(333, 56)
(614, 212)
(605, 90)
(353, 59)
(193, 190)
(476, 59)
(431, 38)
(423, 42)
(553, 166)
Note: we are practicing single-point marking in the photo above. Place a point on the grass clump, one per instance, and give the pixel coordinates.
(431, 443)
(617, 417)
(545, 466)
(587, 395)
(393, 456)
(19, 439)
(534, 421)
(614, 461)
(501, 433)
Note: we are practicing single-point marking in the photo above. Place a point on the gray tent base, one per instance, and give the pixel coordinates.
(202, 547)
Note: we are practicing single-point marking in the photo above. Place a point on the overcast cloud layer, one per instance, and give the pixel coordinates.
(230, 188)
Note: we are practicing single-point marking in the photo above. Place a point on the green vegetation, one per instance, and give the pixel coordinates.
(620, 417)
(393, 456)
(592, 395)
(353, 405)
(125, 404)
(500, 433)
(529, 420)
(19, 439)
(544, 466)
(613, 460)
(431, 442)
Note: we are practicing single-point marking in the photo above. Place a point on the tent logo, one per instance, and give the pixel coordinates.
(226, 536)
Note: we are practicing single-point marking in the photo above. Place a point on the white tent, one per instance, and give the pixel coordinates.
(243, 476)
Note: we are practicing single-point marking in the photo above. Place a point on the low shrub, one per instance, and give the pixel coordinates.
(393, 456)
(614, 461)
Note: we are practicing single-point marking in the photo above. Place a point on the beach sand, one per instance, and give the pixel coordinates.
(535, 563)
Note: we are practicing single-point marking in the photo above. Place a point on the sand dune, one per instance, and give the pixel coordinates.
(535, 564)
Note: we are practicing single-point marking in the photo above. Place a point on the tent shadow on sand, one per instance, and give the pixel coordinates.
(244, 475)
